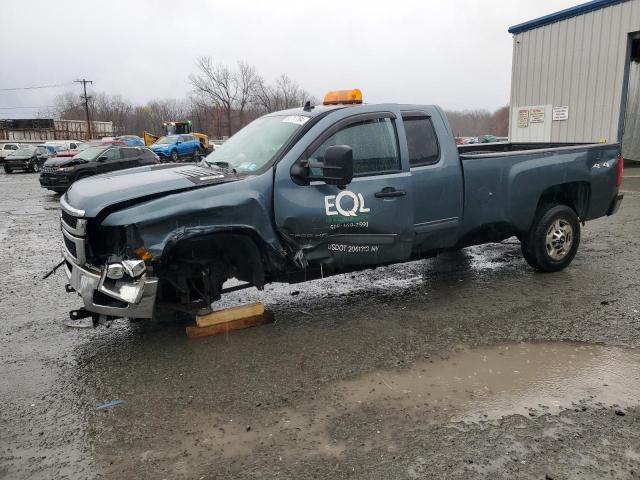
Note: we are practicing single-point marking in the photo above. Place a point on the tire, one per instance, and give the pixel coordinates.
(553, 240)
(197, 153)
(34, 167)
(7, 170)
(174, 156)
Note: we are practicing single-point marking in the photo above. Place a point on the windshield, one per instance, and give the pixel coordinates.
(255, 145)
(90, 153)
(84, 146)
(169, 139)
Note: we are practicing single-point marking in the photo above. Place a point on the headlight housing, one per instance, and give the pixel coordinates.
(65, 169)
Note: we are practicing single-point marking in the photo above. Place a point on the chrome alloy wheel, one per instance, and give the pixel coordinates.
(559, 239)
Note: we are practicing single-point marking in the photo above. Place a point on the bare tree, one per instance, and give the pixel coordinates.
(217, 83)
(248, 81)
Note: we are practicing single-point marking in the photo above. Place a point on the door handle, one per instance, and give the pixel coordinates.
(389, 192)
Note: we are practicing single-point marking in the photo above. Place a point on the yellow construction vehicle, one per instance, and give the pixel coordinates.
(179, 128)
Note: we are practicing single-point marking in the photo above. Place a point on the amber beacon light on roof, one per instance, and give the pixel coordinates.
(338, 97)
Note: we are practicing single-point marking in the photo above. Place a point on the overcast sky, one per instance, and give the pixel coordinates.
(454, 53)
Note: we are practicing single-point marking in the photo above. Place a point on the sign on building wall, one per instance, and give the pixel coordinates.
(536, 115)
(560, 113)
(523, 118)
(530, 123)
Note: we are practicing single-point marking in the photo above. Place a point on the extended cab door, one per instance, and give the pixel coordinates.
(370, 221)
(436, 176)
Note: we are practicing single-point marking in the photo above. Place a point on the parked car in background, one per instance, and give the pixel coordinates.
(65, 144)
(59, 173)
(26, 157)
(83, 146)
(7, 149)
(175, 147)
(131, 140)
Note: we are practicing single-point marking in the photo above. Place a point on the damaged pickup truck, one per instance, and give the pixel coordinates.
(317, 191)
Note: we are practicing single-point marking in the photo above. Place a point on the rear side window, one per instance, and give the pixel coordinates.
(374, 144)
(186, 138)
(10, 147)
(421, 140)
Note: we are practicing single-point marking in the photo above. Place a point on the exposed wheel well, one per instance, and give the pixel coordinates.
(196, 267)
(573, 194)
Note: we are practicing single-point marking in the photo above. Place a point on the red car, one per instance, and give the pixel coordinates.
(82, 146)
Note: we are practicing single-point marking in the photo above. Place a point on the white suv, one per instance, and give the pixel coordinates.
(7, 149)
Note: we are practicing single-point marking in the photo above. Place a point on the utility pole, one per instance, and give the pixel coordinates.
(86, 104)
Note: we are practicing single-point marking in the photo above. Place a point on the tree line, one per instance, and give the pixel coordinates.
(224, 98)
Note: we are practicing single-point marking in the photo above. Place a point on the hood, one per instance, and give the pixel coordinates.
(94, 194)
(19, 157)
(161, 146)
(62, 161)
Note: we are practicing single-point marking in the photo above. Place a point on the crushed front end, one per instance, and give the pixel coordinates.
(111, 280)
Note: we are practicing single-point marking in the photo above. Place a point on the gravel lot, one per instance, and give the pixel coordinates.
(469, 365)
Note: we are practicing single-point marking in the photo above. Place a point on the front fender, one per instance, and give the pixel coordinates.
(246, 205)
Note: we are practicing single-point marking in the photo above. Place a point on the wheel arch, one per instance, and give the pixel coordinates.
(249, 257)
(576, 195)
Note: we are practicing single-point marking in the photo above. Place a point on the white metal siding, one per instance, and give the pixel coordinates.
(578, 62)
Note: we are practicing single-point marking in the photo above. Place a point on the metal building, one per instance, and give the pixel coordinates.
(576, 76)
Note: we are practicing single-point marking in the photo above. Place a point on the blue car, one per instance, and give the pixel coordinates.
(176, 147)
(131, 140)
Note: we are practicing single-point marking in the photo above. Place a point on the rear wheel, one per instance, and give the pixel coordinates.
(174, 156)
(553, 240)
(7, 170)
(34, 167)
(197, 153)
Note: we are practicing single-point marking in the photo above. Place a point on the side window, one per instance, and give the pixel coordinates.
(73, 146)
(185, 138)
(111, 154)
(11, 147)
(130, 153)
(374, 144)
(421, 140)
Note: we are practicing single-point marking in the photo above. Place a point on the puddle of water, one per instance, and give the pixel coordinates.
(489, 383)
(471, 385)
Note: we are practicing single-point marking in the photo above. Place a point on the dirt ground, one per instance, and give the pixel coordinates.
(469, 365)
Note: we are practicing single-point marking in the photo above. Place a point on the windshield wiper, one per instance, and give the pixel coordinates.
(223, 166)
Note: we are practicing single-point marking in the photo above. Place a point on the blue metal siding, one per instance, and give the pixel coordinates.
(563, 15)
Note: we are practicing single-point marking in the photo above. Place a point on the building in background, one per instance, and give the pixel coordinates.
(50, 129)
(576, 76)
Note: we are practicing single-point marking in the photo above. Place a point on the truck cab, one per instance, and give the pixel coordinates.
(321, 190)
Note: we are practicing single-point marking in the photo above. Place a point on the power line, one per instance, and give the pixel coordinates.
(27, 108)
(55, 85)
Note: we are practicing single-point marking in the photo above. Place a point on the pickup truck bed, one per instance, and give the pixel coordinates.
(505, 183)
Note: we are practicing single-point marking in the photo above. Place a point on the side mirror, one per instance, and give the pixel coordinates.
(336, 168)
(178, 142)
(103, 158)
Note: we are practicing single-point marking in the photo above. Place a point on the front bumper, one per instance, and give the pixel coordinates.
(98, 297)
(54, 181)
(17, 164)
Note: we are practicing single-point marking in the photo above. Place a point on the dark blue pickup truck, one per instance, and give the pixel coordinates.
(321, 190)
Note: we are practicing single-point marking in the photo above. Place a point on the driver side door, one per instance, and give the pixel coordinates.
(109, 160)
(367, 223)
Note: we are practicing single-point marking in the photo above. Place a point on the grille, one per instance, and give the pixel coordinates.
(69, 219)
(71, 247)
(49, 169)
